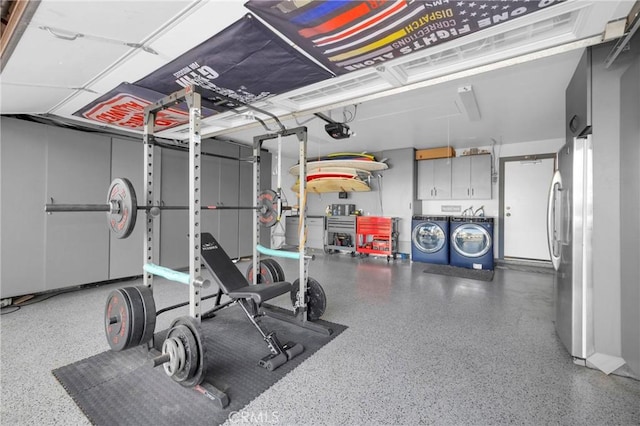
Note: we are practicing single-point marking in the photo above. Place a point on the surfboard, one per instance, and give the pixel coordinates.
(345, 156)
(315, 176)
(346, 172)
(351, 155)
(369, 166)
(323, 185)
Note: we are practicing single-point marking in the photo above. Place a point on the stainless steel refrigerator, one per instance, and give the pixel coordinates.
(570, 225)
(570, 219)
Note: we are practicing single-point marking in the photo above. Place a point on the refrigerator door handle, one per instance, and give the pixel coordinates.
(551, 222)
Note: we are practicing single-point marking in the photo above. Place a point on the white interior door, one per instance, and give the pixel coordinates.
(526, 187)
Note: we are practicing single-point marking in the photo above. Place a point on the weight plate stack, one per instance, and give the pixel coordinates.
(266, 276)
(130, 317)
(193, 368)
(316, 298)
(277, 270)
(136, 317)
(117, 315)
(149, 306)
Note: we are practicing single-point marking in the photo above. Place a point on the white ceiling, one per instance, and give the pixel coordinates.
(520, 103)
(409, 102)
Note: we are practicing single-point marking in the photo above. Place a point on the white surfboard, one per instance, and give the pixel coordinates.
(364, 165)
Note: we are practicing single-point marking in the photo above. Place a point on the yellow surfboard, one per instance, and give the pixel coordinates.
(357, 155)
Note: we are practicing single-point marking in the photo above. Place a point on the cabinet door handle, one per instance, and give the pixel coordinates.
(435, 191)
(467, 192)
(473, 191)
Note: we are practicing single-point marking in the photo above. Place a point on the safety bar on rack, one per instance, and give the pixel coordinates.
(171, 275)
(279, 253)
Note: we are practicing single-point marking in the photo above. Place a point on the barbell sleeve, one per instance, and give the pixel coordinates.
(50, 208)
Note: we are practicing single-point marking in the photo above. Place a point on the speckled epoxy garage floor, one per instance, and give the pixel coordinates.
(420, 349)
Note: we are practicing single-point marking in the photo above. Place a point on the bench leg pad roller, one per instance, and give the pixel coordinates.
(272, 362)
(293, 351)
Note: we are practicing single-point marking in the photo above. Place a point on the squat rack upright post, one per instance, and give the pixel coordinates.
(301, 134)
(194, 101)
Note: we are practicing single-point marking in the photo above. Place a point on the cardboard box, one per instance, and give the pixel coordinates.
(429, 154)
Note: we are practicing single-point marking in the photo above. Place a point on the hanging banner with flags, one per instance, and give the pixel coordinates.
(246, 62)
(346, 35)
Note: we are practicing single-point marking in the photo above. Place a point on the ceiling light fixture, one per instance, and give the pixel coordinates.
(468, 102)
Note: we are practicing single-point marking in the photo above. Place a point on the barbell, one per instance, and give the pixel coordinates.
(122, 203)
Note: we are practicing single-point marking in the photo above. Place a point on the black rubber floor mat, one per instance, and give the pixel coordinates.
(454, 271)
(121, 388)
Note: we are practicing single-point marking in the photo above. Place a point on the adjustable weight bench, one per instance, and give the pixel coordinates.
(250, 298)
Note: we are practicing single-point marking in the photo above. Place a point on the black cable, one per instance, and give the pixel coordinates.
(17, 308)
(179, 305)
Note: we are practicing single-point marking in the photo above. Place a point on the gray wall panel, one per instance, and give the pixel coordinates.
(174, 224)
(23, 151)
(629, 216)
(126, 255)
(77, 244)
(607, 230)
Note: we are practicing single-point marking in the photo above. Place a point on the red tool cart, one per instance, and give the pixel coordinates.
(377, 235)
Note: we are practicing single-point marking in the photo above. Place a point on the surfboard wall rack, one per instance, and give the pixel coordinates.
(339, 172)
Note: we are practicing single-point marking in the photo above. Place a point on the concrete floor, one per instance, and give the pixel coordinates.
(420, 349)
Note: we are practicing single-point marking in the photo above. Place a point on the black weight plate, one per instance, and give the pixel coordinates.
(316, 298)
(272, 269)
(279, 272)
(268, 203)
(197, 355)
(137, 316)
(123, 222)
(119, 308)
(266, 275)
(149, 306)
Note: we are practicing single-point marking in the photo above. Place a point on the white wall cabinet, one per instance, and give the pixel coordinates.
(434, 179)
(471, 177)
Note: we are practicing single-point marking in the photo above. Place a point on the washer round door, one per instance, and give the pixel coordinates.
(428, 237)
(471, 240)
